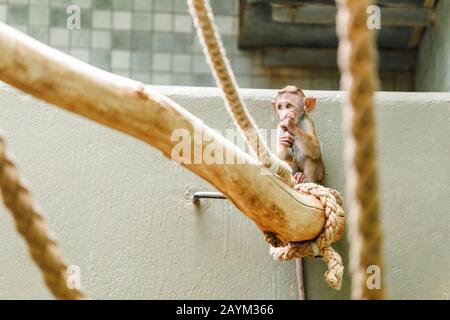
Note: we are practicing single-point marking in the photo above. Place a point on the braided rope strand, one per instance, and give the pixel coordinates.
(356, 60)
(30, 224)
(211, 42)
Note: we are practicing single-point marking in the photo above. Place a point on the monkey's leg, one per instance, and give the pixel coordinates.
(313, 170)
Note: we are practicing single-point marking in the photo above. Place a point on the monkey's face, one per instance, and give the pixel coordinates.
(289, 104)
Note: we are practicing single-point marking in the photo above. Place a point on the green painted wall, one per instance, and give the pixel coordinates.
(119, 210)
(433, 68)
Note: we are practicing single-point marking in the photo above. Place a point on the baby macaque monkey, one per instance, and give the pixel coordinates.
(298, 144)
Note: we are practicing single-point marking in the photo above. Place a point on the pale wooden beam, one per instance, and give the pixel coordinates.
(141, 112)
(418, 32)
(388, 3)
(326, 14)
(416, 36)
(327, 57)
(429, 4)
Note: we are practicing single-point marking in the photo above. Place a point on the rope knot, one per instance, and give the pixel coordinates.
(331, 200)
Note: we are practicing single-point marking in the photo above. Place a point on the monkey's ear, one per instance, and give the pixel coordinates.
(273, 104)
(309, 104)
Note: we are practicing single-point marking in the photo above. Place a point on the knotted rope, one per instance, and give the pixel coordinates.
(330, 200)
(357, 56)
(203, 19)
(30, 223)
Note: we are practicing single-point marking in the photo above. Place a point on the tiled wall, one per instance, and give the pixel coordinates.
(153, 41)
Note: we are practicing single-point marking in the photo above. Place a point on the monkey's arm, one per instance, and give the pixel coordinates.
(306, 138)
(283, 151)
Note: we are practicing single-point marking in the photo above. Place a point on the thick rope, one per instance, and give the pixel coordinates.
(31, 225)
(357, 64)
(215, 53)
(330, 200)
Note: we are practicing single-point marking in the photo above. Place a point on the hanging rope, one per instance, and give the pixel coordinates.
(215, 53)
(31, 225)
(330, 200)
(357, 64)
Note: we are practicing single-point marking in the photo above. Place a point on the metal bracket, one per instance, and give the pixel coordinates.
(206, 195)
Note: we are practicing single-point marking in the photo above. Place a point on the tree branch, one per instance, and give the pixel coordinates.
(143, 113)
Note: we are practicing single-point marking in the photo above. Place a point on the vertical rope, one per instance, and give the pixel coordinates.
(30, 224)
(357, 64)
(215, 53)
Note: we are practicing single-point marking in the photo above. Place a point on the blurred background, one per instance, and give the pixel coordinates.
(270, 43)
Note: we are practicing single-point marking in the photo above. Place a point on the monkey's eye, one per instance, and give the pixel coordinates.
(288, 106)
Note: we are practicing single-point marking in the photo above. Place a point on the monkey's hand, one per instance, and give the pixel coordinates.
(288, 123)
(300, 177)
(287, 139)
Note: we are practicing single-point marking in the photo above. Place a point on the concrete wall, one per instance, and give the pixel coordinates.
(433, 68)
(119, 210)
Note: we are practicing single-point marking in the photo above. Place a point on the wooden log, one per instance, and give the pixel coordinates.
(387, 3)
(327, 57)
(128, 106)
(312, 13)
